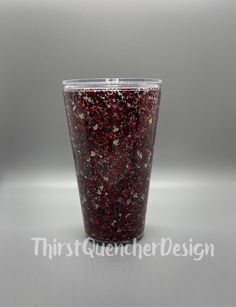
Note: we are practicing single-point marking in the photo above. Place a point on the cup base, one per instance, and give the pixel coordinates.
(130, 241)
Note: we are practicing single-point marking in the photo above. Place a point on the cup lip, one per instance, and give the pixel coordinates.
(106, 83)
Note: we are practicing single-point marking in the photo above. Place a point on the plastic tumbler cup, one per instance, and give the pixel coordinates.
(112, 125)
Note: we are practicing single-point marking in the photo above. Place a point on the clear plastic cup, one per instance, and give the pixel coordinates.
(112, 125)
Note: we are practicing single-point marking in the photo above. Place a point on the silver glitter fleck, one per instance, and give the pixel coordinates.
(140, 155)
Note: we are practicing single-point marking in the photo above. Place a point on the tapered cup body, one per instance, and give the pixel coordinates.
(112, 125)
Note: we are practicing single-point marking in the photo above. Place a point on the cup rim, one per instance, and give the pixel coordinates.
(104, 83)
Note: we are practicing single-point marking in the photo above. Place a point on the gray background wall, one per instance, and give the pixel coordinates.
(191, 46)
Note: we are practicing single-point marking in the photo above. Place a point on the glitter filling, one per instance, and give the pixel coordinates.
(112, 134)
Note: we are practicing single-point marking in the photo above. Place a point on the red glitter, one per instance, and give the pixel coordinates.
(113, 169)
